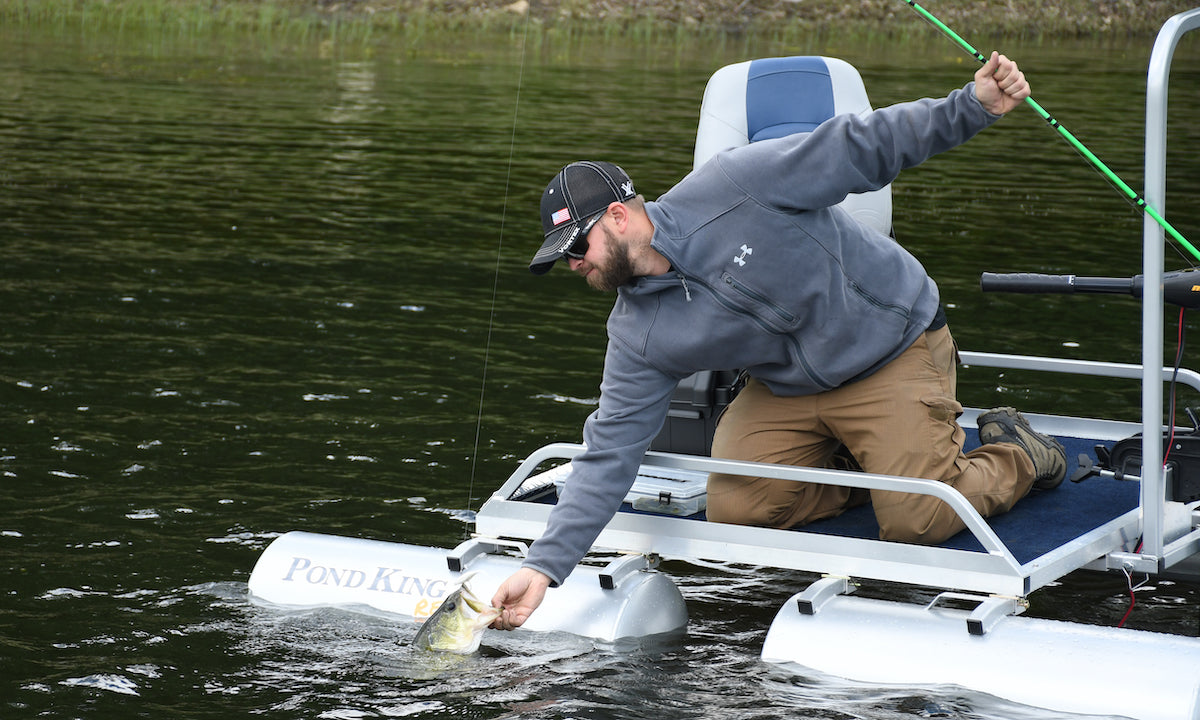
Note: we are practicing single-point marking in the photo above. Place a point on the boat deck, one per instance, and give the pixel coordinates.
(1048, 534)
(1041, 522)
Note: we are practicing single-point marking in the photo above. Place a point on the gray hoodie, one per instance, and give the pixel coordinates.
(766, 275)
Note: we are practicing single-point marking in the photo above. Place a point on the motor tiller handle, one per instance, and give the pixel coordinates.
(1181, 287)
(1039, 283)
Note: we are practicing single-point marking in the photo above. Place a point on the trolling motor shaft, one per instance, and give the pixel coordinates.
(1180, 287)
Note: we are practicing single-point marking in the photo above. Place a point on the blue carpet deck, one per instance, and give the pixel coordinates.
(1038, 524)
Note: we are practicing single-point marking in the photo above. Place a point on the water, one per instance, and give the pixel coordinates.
(250, 287)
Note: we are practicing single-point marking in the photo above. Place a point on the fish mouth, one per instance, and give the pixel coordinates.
(479, 606)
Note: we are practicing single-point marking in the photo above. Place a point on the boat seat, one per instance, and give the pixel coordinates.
(744, 103)
(773, 97)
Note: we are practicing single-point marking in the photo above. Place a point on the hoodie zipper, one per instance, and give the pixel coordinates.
(788, 337)
(759, 298)
(687, 293)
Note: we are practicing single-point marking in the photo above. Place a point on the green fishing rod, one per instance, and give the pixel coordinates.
(1137, 199)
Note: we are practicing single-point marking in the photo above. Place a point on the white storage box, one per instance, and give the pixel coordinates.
(669, 492)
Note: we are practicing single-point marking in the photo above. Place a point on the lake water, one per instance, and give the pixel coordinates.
(251, 286)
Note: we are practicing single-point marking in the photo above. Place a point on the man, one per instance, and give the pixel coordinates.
(746, 263)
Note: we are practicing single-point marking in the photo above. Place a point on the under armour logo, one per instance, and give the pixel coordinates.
(741, 259)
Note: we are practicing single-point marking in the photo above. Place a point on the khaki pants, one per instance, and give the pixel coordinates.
(899, 421)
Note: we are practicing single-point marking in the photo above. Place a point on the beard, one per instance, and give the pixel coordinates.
(617, 269)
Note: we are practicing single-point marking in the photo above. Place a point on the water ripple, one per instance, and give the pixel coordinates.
(108, 682)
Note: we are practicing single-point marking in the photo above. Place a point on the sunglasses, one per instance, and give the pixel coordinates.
(579, 248)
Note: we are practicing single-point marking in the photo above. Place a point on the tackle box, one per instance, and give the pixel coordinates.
(668, 492)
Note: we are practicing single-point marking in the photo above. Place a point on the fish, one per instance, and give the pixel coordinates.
(457, 625)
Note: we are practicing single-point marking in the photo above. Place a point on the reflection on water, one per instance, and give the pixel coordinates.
(247, 292)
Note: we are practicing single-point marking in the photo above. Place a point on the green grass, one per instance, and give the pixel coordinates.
(364, 22)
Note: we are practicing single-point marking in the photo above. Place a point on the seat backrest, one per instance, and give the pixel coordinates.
(773, 97)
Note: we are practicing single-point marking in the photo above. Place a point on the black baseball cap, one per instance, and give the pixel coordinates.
(578, 193)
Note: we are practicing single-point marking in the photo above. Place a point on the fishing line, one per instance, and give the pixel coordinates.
(496, 277)
(1134, 198)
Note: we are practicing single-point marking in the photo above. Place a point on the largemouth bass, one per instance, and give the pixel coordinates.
(457, 625)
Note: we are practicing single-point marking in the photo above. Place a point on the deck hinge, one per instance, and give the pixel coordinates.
(461, 556)
(822, 591)
(1133, 562)
(991, 611)
(617, 570)
(988, 610)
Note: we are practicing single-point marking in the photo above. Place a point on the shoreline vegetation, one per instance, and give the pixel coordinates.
(365, 19)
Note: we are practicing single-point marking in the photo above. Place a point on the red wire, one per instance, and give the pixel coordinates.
(1167, 454)
(1132, 602)
(1132, 598)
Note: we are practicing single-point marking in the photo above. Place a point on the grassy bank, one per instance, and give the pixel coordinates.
(361, 21)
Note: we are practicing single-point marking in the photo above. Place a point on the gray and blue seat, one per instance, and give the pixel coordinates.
(773, 97)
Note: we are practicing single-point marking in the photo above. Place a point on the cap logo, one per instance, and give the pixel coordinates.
(627, 187)
(561, 216)
(568, 239)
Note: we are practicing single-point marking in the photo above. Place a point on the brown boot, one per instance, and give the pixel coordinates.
(1007, 425)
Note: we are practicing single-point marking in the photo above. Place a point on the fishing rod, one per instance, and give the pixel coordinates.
(1112, 177)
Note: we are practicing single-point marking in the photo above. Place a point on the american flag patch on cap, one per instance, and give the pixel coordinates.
(561, 216)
